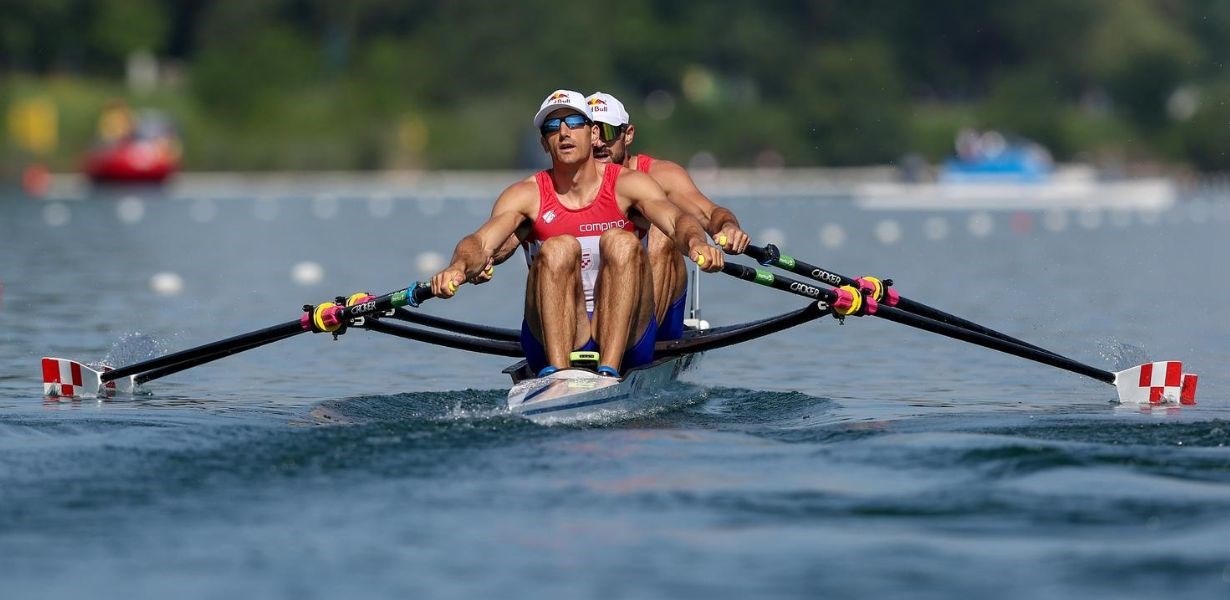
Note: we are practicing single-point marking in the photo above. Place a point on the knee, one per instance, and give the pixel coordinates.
(619, 246)
(560, 253)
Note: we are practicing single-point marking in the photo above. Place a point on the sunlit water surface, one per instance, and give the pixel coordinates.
(861, 459)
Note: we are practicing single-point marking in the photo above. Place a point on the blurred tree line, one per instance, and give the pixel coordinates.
(368, 84)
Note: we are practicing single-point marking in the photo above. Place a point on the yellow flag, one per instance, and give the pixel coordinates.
(33, 125)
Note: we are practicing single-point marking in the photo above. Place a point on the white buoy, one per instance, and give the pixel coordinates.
(981, 224)
(888, 232)
(429, 263)
(166, 283)
(130, 210)
(307, 273)
(56, 214)
(935, 228)
(325, 207)
(265, 209)
(380, 206)
(1090, 218)
(1055, 220)
(832, 235)
(771, 235)
(203, 211)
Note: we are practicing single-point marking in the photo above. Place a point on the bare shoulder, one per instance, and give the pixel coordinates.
(671, 176)
(521, 194)
(635, 183)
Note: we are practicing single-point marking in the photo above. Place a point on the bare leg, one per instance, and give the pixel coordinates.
(670, 276)
(555, 300)
(623, 298)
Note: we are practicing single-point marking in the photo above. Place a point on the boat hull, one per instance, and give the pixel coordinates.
(570, 395)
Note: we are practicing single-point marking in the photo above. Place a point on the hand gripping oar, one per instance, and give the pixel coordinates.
(68, 378)
(1150, 383)
(880, 290)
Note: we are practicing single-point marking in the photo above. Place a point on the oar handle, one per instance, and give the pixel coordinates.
(770, 256)
(328, 317)
(844, 301)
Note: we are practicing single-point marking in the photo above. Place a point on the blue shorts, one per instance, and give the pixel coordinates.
(640, 353)
(671, 327)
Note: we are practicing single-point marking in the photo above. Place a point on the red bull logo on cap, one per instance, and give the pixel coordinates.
(558, 97)
(596, 101)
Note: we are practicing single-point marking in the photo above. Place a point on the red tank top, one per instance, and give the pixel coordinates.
(586, 224)
(643, 163)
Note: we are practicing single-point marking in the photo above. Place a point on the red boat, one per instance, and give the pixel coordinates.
(150, 154)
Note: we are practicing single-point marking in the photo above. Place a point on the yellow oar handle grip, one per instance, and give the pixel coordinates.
(700, 260)
(722, 239)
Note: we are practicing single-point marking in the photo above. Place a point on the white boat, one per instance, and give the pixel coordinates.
(584, 395)
(1145, 195)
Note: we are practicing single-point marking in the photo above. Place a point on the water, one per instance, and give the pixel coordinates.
(857, 459)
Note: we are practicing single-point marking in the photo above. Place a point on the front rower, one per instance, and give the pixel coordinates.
(583, 222)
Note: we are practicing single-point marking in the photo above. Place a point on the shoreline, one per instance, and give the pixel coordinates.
(870, 188)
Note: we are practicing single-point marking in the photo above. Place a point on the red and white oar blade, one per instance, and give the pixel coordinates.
(63, 378)
(1162, 382)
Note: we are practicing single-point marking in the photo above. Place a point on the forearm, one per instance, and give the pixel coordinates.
(688, 233)
(506, 249)
(719, 219)
(470, 256)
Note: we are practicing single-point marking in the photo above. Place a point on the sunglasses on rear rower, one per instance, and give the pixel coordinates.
(610, 133)
(553, 124)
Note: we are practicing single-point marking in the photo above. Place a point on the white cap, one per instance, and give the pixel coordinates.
(561, 99)
(605, 108)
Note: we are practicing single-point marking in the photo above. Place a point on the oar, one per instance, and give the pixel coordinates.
(188, 364)
(1150, 383)
(471, 344)
(212, 350)
(769, 255)
(63, 377)
(474, 329)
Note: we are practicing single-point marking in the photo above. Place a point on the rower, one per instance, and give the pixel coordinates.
(670, 277)
(583, 223)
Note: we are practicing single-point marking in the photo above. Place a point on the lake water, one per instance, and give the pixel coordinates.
(861, 459)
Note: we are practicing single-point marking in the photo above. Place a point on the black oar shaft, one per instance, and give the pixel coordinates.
(178, 361)
(794, 265)
(153, 374)
(787, 284)
(219, 348)
(722, 337)
(986, 341)
(480, 345)
(476, 330)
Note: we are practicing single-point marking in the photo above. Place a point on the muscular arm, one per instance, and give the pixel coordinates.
(643, 194)
(682, 192)
(507, 249)
(475, 252)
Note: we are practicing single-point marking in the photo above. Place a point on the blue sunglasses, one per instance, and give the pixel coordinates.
(553, 124)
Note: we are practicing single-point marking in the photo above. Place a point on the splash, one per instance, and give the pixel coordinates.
(134, 347)
(1122, 355)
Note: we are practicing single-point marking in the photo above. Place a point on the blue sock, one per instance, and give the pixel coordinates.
(608, 371)
(547, 370)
